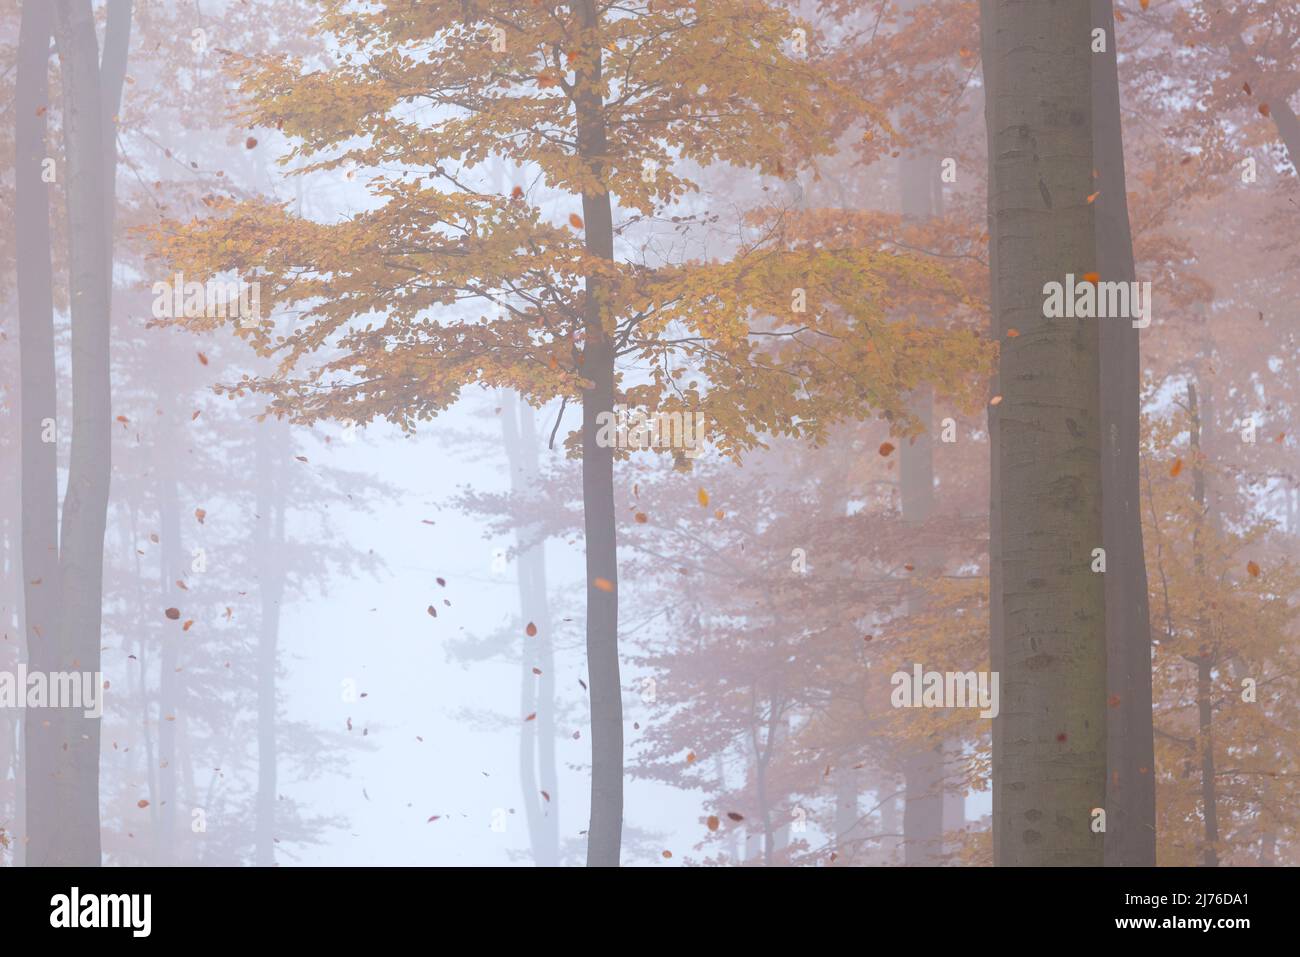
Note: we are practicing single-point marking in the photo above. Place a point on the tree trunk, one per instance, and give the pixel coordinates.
(997, 627)
(39, 406)
(1130, 746)
(70, 835)
(1051, 772)
(1206, 658)
(536, 692)
(922, 770)
(604, 835)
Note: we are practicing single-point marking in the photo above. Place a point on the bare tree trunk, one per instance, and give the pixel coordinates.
(537, 691)
(997, 625)
(1050, 773)
(922, 770)
(1130, 784)
(1206, 657)
(604, 835)
(70, 835)
(39, 407)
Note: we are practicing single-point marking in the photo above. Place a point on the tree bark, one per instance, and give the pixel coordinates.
(1051, 772)
(1206, 658)
(39, 405)
(605, 831)
(1130, 737)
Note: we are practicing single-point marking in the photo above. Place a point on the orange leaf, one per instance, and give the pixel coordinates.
(575, 220)
(1253, 569)
(886, 448)
(713, 822)
(173, 613)
(604, 584)
(531, 630)
(1092, 277)
(1263, 108)
(203, 359)
(1175, 468)
(200, 514)
(703, 496)
(1092, 197)
(1013, 333)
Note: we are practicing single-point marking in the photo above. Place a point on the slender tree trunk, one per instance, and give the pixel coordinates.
(604, 835)
(997, 627)
(536, 691)
(71, 836)
(923, 769)
(39, 408)
(1205, 659)
(1050, 772)
(1130, 784)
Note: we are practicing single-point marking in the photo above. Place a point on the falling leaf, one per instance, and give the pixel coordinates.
(996, 400)
(547, 796)
(703, 497)
(719, 514)
(1092, 277)
(575, 220)
(604, 584)
(441, 581)
(1144, 3)
(1061, 737)
(713, 822)
(433, 612)
(531, 717)
(1175, 468)
(301, 458)
(200, 514)
(123, 420)
(142, 803)
(1253, 569)
(734, 816)
(531, 630)
(517, 193)
(909, 567)
(1092, 197)
(1013, 333)
(1263, 108)
(642, 518)
(690, 758)
(668, 855)
(1113, 701)
(173, 613)
(203, 360)
(250, 143)
(537, 671)
(433, 818)
(1249, 91)
(886, 448)
(189, 623)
